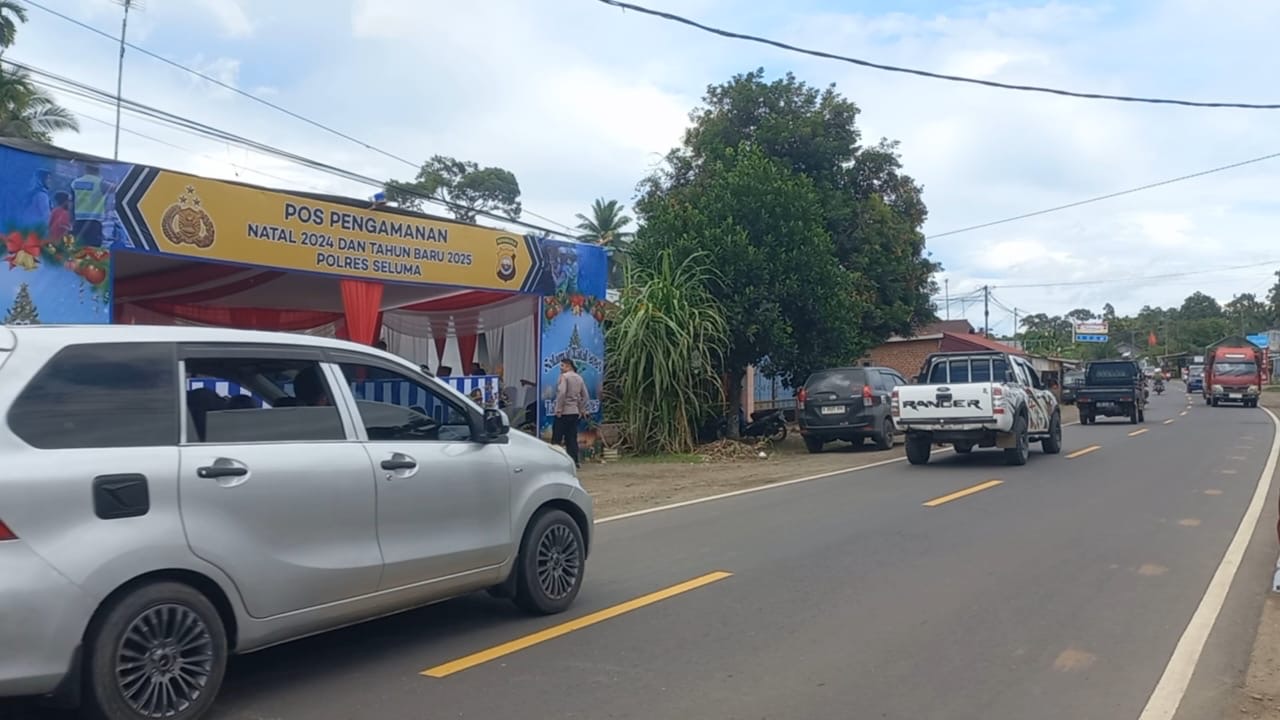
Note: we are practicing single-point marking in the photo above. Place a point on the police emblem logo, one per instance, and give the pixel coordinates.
(506, 270)
(186, 222)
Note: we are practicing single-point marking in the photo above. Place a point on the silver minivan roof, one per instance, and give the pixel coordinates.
(193, 334)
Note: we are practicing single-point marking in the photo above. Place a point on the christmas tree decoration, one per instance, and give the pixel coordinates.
(23, 311)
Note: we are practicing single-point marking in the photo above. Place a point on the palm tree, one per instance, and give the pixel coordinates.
(26, 111)
(11, 13)
(606, 227)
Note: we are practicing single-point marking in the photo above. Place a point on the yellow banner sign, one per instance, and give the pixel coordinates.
(202, 218)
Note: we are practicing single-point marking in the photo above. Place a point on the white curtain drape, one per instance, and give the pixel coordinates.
(519, 354)
(419, 350)
(508, 339)
(491, 345)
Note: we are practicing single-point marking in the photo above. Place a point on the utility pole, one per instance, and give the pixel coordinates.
(986, 311)
(946, 295)
(1015, 323)
(124, 26)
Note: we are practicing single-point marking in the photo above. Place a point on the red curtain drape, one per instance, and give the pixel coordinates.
(243, 318)
(467, 349)
(168, 281)
(216, 292)
(461, 301)
(362, 301)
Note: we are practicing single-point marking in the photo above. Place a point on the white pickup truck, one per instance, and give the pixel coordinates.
(977, 399)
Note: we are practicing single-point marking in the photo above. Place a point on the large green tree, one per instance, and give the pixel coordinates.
(787, 302)
(820, 244)
(464, 186)
(872, 210)
(1273, 299)
(1199, 306)
(1248, 314)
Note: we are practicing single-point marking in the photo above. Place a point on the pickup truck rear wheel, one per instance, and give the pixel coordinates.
(1018, 454)
(1052, 443)
(1133, 414)
(918, 447)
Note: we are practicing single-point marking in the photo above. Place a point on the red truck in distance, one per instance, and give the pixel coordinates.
(1233, 374)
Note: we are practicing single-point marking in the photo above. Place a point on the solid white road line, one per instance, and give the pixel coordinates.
(770, 486)
(1168, 694)
(754, 489)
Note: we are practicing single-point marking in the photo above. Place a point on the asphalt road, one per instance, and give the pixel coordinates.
(1058, 593)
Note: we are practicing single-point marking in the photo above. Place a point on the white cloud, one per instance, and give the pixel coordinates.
(231, 16)
(223, 69)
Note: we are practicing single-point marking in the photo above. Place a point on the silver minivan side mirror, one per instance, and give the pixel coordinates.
(496, 424)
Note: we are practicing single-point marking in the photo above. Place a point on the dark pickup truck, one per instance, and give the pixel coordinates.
(1112, 388)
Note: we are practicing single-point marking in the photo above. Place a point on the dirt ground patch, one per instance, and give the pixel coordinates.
(631, 484)
(1260, 696)
(635, 484)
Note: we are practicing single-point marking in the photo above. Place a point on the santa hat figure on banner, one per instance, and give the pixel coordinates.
(379, 199)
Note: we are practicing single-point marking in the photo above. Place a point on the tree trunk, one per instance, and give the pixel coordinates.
(736, 377)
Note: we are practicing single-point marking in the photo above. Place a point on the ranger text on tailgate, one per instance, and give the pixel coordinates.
(985, 399)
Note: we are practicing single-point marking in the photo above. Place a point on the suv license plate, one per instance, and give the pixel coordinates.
(1236, 396)
(832, 409)
(1105, 404)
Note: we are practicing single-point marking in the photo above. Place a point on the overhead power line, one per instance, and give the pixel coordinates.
(256, 98)
(1139, 278)
(73, 87)
(928, 74)
(195, 153)
(1108, 196)
(221, 84)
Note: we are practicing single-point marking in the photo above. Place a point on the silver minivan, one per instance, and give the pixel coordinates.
(172, 495)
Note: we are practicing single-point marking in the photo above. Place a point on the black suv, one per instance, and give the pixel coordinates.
(847, 404)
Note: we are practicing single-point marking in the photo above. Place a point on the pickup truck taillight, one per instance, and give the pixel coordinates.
(800, 398)
(895, 408)
(6, 533)
(997, 400)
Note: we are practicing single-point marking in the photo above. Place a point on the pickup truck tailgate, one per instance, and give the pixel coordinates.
(966, 401)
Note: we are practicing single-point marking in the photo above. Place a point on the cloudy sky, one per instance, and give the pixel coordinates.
(580, 100)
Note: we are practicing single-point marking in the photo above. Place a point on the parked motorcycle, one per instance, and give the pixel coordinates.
(769, 424)
(764, 424)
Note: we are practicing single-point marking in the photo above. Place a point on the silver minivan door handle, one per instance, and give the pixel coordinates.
(398, 465)
(225, 471)
(221, 471)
